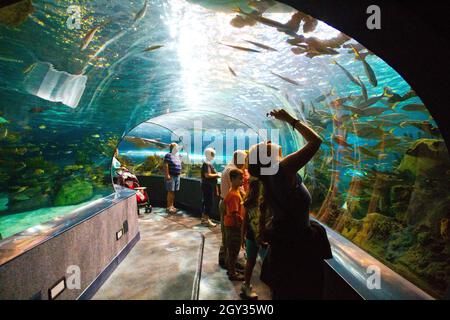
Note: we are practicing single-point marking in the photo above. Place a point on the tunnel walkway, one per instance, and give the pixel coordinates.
(170, 255)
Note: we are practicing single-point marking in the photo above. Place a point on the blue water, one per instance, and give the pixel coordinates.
(64, 110)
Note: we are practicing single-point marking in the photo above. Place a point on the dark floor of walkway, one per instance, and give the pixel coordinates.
(164, 263)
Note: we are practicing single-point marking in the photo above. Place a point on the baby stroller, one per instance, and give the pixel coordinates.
(129, 180)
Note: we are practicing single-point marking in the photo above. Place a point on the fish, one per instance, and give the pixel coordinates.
(415, 107)
(309, 24)
(425, 126)
(339, 101)
(286, 28)
(299, 50)
(372, 132)
(286, 79)
(21, 189)
(294, 23)
(325, 96)
(4, 134)
(232, 71)
(374, 111)
(372, 101)
(3, 120)
(340, 121)
(262, 46)
(21, 166)
(146, 143)
(357, 46)
(303, 107)
(21, 197)
(141, 12)
(29, 68)
(347, 73)
(37, 109)
(240, 48)
(6, 59)
(152, 48)
(350, 159)
(95, 135)
(363, 89)
(388, 143)
(367, 152)
(42, 127)
(340, 140)
(394, 116)
(314, 51)
(271, 87)
(367, 68)
(90, 35)
(39, 171)
(355, 173)
(410, 94)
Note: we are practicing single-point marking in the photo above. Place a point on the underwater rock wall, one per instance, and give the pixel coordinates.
(407, 226)
(380, 177)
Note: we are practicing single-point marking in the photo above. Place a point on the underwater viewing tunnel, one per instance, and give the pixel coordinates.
(82, 82)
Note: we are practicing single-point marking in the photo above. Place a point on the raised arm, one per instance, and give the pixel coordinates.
(298, 159)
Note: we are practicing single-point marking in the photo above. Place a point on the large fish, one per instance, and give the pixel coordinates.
(371, 101)
(141, 12)
(367, 68)
(363, 89)
(90, 35)
(374, 111)
(296, 83)
(294, 23)
(415, 107)
(372, 132)
(240, 48)
(340, 140)
(310, 24)
(286, 28)
(260, 45)
(340, 101)
(394, 116)
(388, 143)
(6, 59)
(146, 143)
(325, 96)
(425, 126)
(367, 152)
(347, 73)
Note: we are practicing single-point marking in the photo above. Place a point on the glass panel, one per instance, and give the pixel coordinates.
(69, 94)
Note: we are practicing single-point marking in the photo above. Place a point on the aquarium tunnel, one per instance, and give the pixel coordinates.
(82, 82)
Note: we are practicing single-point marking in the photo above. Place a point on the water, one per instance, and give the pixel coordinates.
(66, 110)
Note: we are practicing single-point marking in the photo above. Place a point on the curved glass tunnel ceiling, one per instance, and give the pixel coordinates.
(380, 178)
(196, 131)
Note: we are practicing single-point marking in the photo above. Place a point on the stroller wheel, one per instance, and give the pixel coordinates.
(148, 209)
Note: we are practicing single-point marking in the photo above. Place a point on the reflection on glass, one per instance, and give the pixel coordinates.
(380, 178)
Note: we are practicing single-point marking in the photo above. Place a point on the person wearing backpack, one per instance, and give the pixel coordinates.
(294, 264)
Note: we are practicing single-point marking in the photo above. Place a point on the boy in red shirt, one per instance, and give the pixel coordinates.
(233, 223)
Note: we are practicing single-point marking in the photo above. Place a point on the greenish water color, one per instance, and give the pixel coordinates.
(69, 95)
